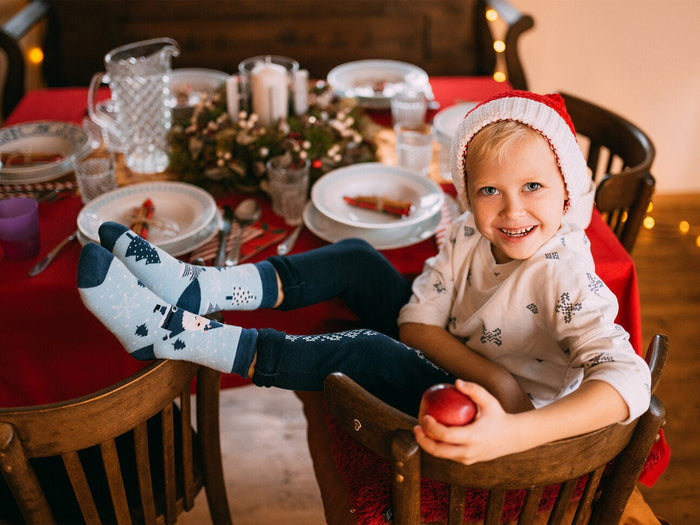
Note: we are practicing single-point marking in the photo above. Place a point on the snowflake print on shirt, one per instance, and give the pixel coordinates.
(469, 231)
(439, 287)
(598, 359)
(594, 283)
(567, 308)
(533, 308)
(494, 336)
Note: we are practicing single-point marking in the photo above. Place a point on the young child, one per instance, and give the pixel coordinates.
(511, 303)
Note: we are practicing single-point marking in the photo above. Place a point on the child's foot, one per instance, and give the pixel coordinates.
(149, 327)
(195, 288)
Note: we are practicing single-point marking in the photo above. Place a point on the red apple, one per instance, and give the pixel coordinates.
(447, 405)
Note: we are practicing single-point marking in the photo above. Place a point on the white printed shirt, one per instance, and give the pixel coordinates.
(549, 320)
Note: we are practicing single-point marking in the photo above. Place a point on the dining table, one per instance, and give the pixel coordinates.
(54, 349)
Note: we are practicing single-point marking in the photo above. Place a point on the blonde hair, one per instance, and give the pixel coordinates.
(493, 141)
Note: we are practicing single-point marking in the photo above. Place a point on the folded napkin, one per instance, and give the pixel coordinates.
(254, 239)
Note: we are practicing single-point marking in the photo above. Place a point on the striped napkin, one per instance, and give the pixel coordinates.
(31, 190)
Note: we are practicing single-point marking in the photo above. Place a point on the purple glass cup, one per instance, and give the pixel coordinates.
(19, 228)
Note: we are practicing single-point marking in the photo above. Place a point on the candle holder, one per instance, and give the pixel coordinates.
(245, 72)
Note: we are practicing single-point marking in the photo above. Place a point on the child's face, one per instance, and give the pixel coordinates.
(518, 200)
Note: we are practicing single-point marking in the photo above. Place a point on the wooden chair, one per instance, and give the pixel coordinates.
(445, 37)
(126, 453)
(622, 449)
(13, 83)
(620, 156)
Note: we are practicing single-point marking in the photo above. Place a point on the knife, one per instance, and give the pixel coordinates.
(223, 236)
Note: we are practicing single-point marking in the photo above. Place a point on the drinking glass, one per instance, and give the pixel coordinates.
(94, 175)
(414, 147)
(289, 187)
(19, 228)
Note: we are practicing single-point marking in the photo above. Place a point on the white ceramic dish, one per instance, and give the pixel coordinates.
(332, 231)
(447, 121)
(188, 84)
(374, 82)
(52, 137)
(188, 213)
(373, 178)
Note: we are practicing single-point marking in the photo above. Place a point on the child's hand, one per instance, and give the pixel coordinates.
(485, 438)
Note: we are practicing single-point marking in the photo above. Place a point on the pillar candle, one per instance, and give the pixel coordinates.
(270, 92)
(301, 91)
(232, 97)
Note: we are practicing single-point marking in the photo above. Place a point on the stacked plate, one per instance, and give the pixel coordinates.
(374, 82)
(185, 216)
(53, 142)
(331, 218)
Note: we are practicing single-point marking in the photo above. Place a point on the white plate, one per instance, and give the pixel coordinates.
(188, 84)
(447, 120)
(63, 138)
(374, 82)
(332, 231)
(373, 178)
(186, 210)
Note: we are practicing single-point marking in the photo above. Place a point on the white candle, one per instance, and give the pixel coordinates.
(270, 89)
(301, 91)
(232, 97)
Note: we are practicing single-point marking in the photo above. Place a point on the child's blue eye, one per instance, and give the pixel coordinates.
(489, 190)
(532, 186)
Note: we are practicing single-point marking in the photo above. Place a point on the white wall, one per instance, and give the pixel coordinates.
(640, 58)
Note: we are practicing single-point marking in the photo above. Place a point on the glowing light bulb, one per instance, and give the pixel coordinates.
(649, 222)
(499, 46)
(684, 226)
(35, 55)
(499, 76)
(491, 15)
(697, 241)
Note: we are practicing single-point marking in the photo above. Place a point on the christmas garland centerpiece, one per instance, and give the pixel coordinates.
(210, 149)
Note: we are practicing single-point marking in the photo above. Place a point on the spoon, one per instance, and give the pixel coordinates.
(247, 212)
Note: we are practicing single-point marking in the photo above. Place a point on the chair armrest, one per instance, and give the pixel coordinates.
(10, 34)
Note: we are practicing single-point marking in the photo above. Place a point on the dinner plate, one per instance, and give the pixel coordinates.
(446, 121)
(188, 84)
(332, 231)
(185, 212)
(373, 178)
(47, 137)
(374, 82)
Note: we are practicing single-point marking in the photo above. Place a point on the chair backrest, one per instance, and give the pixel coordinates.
(620, 156)
(445, 37)
(126, 453)
(11, 32)
(622, 449)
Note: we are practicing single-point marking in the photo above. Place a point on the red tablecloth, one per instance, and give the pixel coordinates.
(54, 349)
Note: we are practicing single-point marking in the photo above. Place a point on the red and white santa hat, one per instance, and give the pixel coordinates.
(543, 113)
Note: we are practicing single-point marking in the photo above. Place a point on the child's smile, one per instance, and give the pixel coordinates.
(518, 199)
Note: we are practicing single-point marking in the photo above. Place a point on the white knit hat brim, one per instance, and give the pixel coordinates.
(537, 115)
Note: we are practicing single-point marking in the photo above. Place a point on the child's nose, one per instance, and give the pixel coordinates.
(512, 206)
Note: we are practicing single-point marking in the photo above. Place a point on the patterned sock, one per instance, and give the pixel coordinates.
(149, 327)
(198, 289)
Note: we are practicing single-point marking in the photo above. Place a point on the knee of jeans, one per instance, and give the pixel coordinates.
(360, 250)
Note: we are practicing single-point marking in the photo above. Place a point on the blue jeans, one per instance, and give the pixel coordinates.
(372, 356)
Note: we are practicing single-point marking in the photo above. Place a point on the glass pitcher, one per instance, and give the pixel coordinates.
(138, 75)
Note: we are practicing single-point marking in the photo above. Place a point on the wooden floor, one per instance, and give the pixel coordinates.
(269, 474)
(668, 268)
